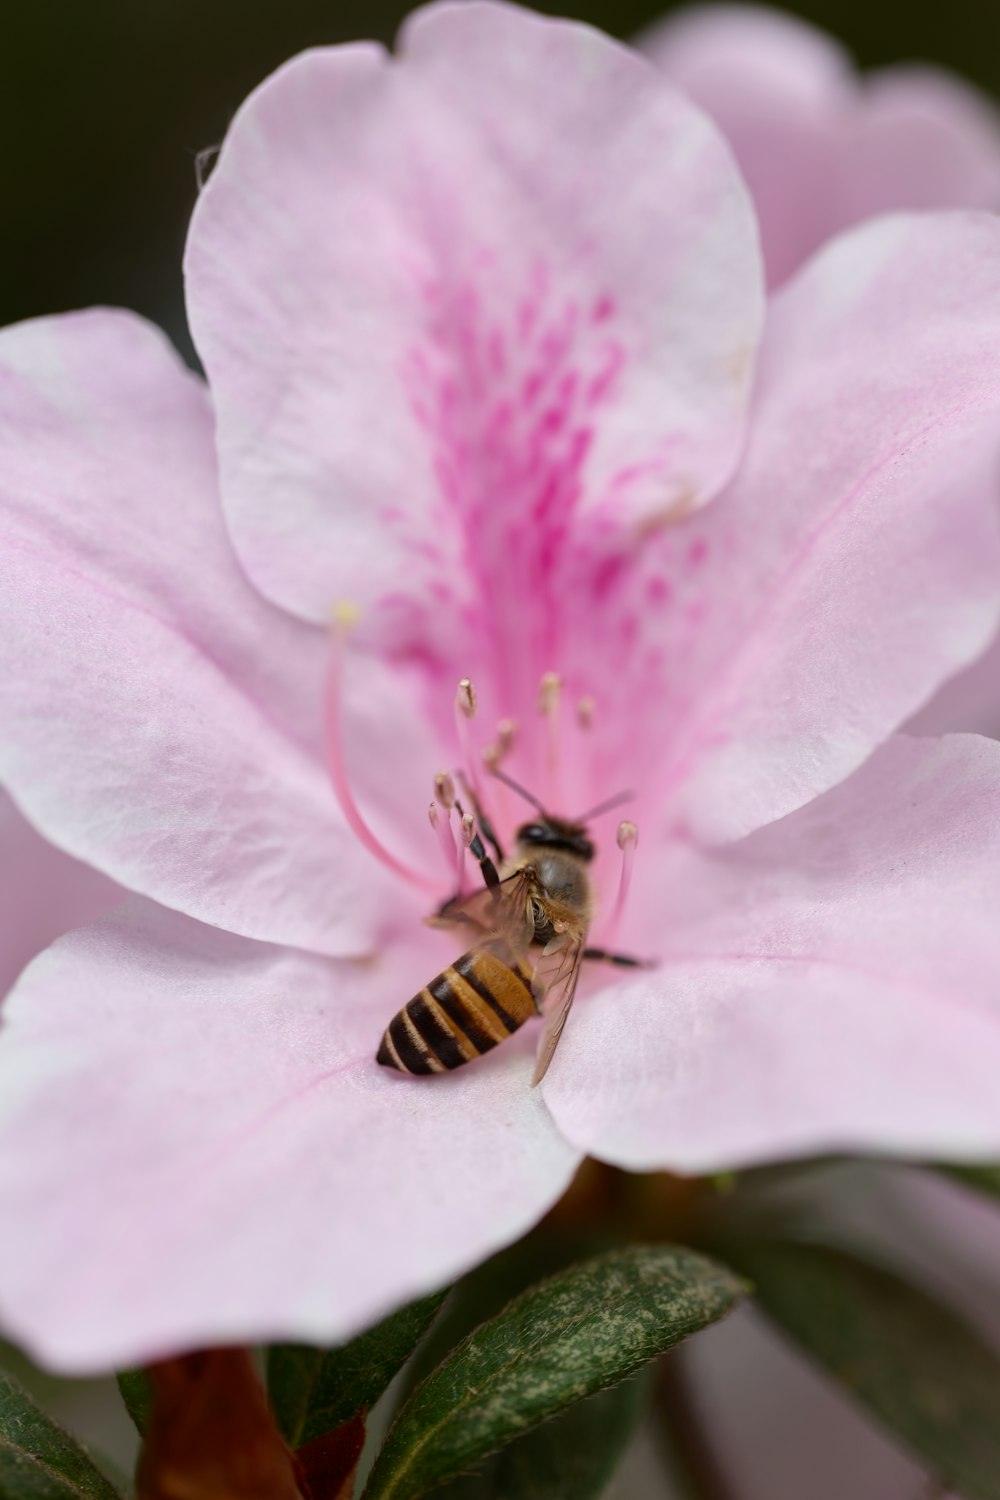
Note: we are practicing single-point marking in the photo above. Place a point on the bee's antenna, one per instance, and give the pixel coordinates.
(603, 807)
(516, 787)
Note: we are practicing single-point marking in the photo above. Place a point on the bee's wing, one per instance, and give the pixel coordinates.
(503, 908)
(556, 976)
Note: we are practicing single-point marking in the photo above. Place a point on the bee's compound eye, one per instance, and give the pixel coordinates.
(533, 833)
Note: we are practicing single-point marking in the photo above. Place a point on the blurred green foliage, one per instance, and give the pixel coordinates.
(105, 105)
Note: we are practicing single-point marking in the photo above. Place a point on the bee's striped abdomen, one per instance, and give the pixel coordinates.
(473, 1004)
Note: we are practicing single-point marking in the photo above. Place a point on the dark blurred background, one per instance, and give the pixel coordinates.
(107, 103)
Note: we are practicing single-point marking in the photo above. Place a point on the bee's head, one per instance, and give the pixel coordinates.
(546, 832)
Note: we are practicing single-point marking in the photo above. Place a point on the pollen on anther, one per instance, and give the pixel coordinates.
(465, 698)
(345, 614)
(628, 835)
(444, 789)
(506, 735)
(548, 693)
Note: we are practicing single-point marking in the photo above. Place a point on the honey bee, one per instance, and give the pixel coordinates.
(531, 922)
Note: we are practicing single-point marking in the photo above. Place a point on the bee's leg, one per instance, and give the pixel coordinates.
(624, 960)
(478, 851)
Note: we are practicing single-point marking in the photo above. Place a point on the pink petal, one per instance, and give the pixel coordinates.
(446, 301)
(820, 148)
(969, 702)
(778, 88)
(43, 893)
(199, 1146)
(925, 139)
(160, 720)
(853, 564)
(830, 983)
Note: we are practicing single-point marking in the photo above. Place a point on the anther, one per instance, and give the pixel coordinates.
(343, 617)
(548, 693)
(465, 698)
(628, 837)
(444, 789)
(585, 712)
(465, 711)
(506, 735)
(492, 756)
(468, 829)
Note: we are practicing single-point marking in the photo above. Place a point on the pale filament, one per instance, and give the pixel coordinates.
(465, 711)
(549, 694)
(440, 820)
(344, 617)
(628, 837)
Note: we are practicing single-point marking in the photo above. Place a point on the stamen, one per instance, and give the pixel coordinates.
(549, 694)
(444, 789)
(343, 619)
(446, 838)
(585, 713)
(628, 837)
(465, 710)
(468, 834)
(465, 698)
(506, 736)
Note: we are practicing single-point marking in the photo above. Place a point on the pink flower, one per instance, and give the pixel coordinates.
(480, 328)
(821, 148)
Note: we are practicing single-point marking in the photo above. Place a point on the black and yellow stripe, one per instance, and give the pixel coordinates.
(468, 1008)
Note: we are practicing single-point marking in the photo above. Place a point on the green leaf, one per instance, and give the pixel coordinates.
(312, 1391)
(575, 1453)
(907, 1358)
(984, 1179)
(137, 1393)
(582, 1330)
(38, 1460)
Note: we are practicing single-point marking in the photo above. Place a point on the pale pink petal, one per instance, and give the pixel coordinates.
(43, 893)
(448, 301)
(830, 983)
(778, 88)
(854, 563)
(199, 1146)
(160, 719)
(821, 148)
(969, 702)
(924, 138)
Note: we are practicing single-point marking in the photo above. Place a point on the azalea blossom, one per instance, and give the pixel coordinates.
(820, 146)
(482, 327)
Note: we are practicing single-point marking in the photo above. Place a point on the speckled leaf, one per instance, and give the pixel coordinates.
(38, 1460)
(577, 1333)
(137, 1393)
(575, 1453)
(911, 1361)
(313, 1391)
